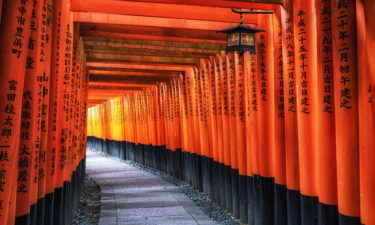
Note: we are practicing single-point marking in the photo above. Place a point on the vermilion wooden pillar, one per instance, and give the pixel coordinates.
(305, 42)
(14, 36)
(233, 112)
(226, 131)
(366, 96)
(291, 131)
(266, 117)
(346, 109)
(30, 139)
(327, 169)
(280, 213)
(241, 132)
(45, 78)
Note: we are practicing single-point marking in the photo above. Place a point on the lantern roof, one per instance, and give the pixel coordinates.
(241, 28)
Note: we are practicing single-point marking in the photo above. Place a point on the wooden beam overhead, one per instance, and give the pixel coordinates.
(126, 79)
(112, 89)
(126, 45)
(106, 84)
(140, 52)
(173, 11)
(121, 73)
(248, 4)
(141, 59)
(130, 70)
(106, 18)
(147, 66)
(105, 34)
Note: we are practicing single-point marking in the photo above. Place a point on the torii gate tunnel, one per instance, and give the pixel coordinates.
(283, 136)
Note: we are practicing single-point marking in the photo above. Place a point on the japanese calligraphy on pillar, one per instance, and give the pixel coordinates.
(326, 55)
(302, 55)
(19, 37)
(344, 68)
(279, 72)
(289, 64)
(253, 83)
(344, 50)
(262, 68)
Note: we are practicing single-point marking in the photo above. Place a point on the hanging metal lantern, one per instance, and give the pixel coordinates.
(241, 38)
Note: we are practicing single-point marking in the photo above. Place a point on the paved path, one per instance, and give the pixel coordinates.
(133, 196)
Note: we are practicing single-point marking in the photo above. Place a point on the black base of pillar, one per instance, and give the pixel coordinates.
(48, 217)
(41, 205)
(294, 209)
(243, 198)
(280, 204)
(235, 193)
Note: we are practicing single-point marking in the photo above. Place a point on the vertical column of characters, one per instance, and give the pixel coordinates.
(46, 52)
(217, 76)
(27, 175)
(178, 112)
(204, 142)
(189, 77)
(327, 170)
(214, 130)
(240, 116)
(65, 148)
(56, 100)
(366, 87)
(279, 114)
(161, 128)
(75, 128)
(161, 114)
(196, 85)
(346, 108)
(171, 129)
(231, 82)
(254, 105)
(291, 131)
(247, 100)
(83, 101)
(211, 111)
(184, 112)
(154, 116)
(174, 123)
(14, 36)
(167, 117)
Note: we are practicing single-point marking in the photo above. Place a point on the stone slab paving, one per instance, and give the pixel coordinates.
(133, 196)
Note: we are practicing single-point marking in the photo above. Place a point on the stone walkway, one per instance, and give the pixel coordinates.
(133, 196)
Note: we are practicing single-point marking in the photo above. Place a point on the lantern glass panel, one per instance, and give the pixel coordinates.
(247, 39)
(233, 39)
